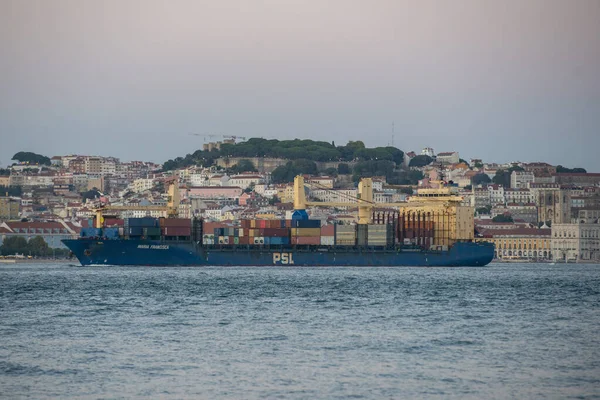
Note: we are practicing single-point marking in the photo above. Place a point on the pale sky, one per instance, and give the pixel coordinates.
(498, 80)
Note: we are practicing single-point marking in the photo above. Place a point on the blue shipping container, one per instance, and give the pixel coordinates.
(145, 222)
(306, 223)
(90, 232)
(279, 240)
(111, 233)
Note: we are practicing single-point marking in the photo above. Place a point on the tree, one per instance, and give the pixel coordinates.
(462, 160)
(38, 247)
(478, 165)
(469, 187)
(502, 218)
(420, 161)
(502, 177)
(4, 172)
(243, 165)
(484, 210)
(562, 170)
(480, 179)
(14, 245)
(331, 171)
(407, 190)
(32, 158)
(90, 194)
(343, 169)
(274, 200)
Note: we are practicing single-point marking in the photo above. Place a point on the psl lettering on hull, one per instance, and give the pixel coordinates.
(283, 258)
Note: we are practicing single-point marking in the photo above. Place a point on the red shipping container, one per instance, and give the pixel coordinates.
(244, 239)
(314, 240)
(110, 222)
(175, 222)
(288, 223)
(261, 223)
(275, 232)
(177, 231)
(328, 230)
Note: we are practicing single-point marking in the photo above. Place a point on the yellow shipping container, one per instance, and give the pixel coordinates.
(309, 232)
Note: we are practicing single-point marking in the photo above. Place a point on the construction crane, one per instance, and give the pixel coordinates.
(204, 136)
(172, 207)
(427, 199)
(235, 137)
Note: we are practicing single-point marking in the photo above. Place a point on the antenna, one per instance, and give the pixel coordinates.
(392, 134)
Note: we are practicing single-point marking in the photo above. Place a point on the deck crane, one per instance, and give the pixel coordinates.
(439, 207)
(172, 207)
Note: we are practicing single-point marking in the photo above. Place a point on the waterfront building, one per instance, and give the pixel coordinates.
(576, 242)
(519, 243)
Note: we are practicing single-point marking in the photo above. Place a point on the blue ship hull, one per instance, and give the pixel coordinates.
(159, 253)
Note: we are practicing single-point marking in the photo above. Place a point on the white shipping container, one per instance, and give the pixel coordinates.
(328, 240)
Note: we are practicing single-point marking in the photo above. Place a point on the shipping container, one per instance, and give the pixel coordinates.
(362, 235)
(90, 232)
(328, 230)
(345, 242)
(258, 240)
(177, 231)
(279, 241)
(113, 222)
(304, 240)
(276, 232)
(306, 223)
(175, 222)
(328, 240)
(145, 222)
(135, 231)
(310, 232)
(151, 231)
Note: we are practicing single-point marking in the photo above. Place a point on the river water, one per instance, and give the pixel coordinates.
(504, 331)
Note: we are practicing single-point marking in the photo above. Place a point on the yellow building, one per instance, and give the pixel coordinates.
(520, 243)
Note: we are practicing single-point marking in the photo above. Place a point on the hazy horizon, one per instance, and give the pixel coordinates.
(502, 81)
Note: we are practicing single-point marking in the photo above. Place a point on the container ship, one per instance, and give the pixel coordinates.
(432, 229)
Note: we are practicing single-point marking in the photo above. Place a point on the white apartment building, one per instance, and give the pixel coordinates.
(141, 185)
(496, 194)
(521, 179)
(448, 157)
(519, 196)
(245, 180)
(428, 151)
(576, 242)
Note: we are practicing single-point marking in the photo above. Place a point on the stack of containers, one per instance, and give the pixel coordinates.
(377, 235)
(306, 231)
(176, 227)
(328, 235)
(135, 227)
(345, 235)
(265, 232)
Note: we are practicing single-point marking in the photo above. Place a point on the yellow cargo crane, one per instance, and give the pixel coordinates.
(440, 206)
(172, 207)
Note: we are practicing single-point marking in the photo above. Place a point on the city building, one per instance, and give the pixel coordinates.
(9, 208)
(576, 242)
(520, 243)
(448, 157)
(521, 179)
